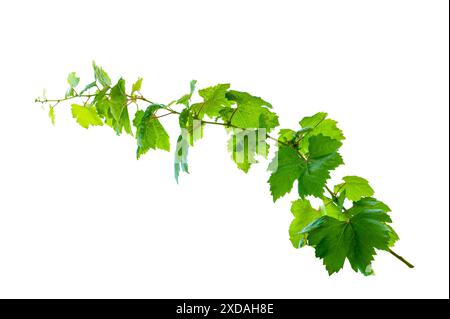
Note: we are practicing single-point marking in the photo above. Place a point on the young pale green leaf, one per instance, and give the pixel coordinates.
(102, 104)
(355, 188)
(304, 215)
(101, 76)
(87, 87)
(136, 87)
(319, 124)
(186, 99)
(267, 120)
(245, 145)
(355, 240)
(73, 80)
(138, 118)
(213, 101)
(70, 92)
(242, 98)
(118, 108)
(86, 115)
(286, 136)
(118, 99)
(124, 123)
(250, 112)
(149, 131)
(51, 114)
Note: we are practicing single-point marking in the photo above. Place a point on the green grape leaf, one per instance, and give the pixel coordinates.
(245, 98)
(102, 104)
(321, 146)
(312, 173)
(355, 188)
(368, 204)
(118, 108)
(323, 157)
(138, 118)
(101, 76)
(86, 115)
(286, 136)
(149, 131)
(354, 240)
(51, 114)
(123, 123)
(245, 145)
(118, 99)
(304, 214)
(192, 86)
(313, 178)
(73, 80)
(267, 119)
(184, 117)
(286, 167)
(319, 124)
(213, 101)
(250, 112)
(181, 154)
(186, 99)
(136, 87)
(87, 87)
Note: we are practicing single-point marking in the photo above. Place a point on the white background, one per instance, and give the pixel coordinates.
(80, 217)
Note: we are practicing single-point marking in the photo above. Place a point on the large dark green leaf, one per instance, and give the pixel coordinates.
(355, 239)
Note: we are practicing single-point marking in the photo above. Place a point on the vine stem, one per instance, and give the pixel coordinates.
(330, 192)
(171, 111)
(45, 100)
(403, 260)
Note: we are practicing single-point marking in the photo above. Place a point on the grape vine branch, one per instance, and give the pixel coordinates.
(349, 224)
